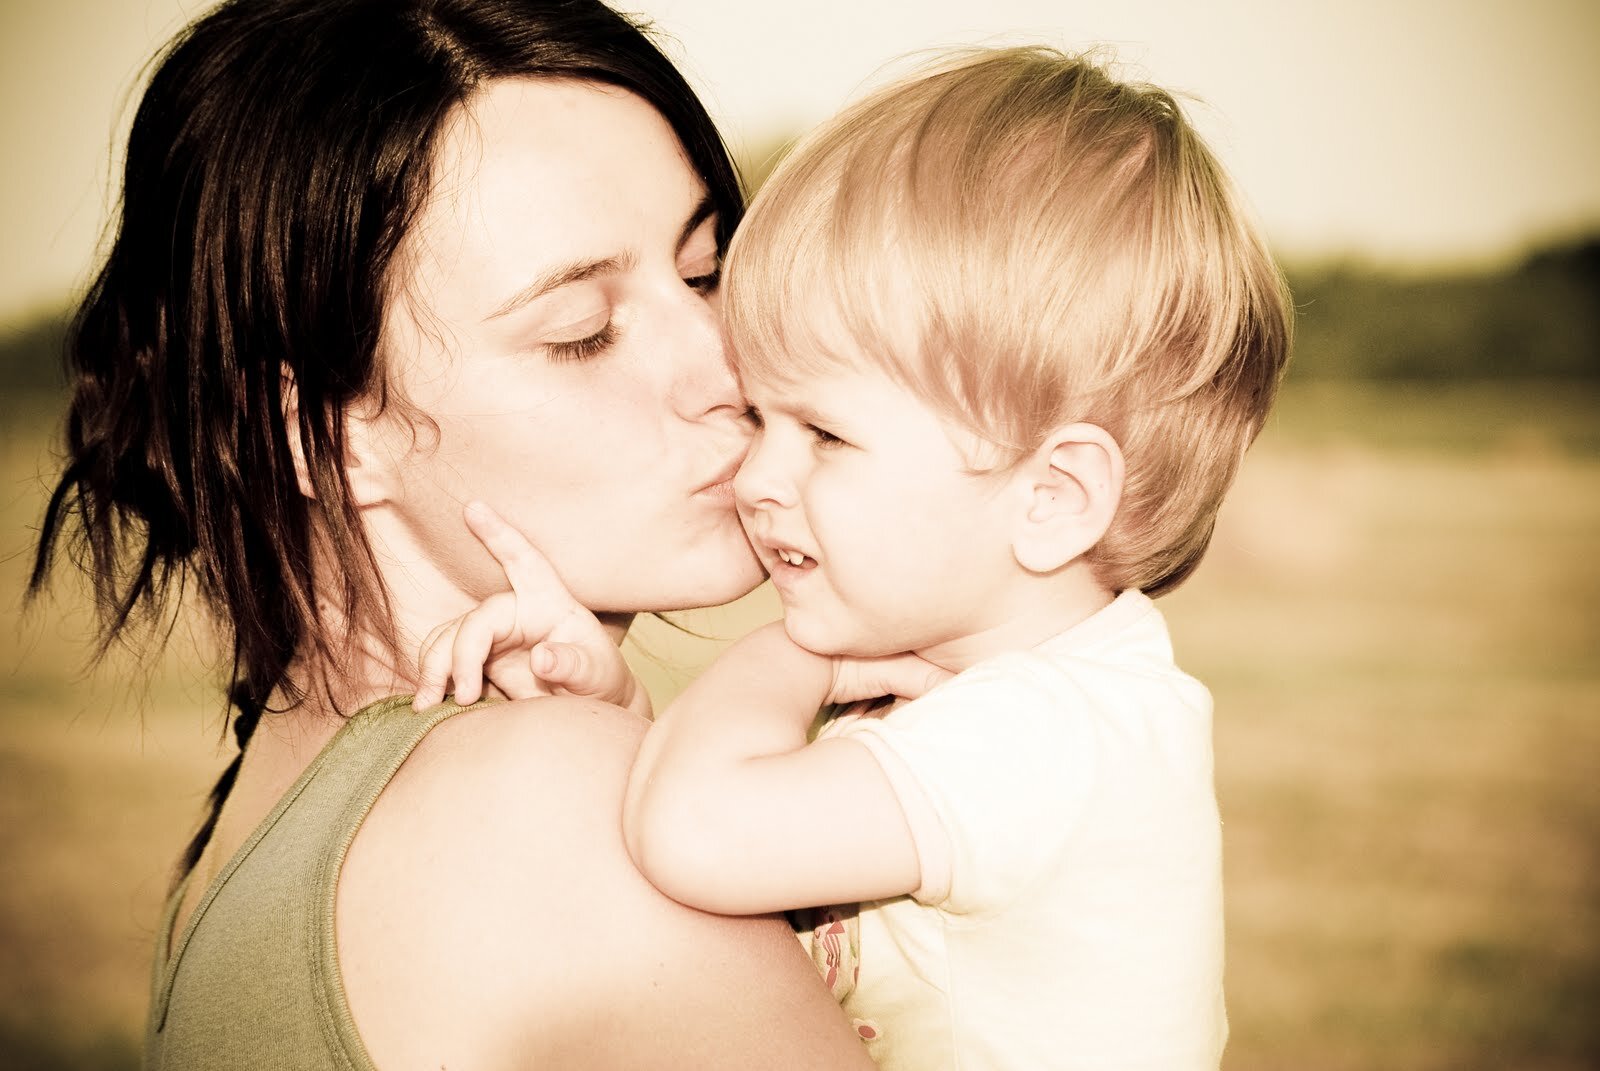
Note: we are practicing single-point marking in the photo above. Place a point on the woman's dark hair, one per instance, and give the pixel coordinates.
(275, 162)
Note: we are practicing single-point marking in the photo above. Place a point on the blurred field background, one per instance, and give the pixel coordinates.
(1400, 615)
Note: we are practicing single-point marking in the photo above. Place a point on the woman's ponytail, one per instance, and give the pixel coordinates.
(247, 715)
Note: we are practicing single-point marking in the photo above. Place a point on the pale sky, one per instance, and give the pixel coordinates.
(1407, 131)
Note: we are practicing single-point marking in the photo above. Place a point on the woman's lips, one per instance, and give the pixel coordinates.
(721, 491)
(720, 485)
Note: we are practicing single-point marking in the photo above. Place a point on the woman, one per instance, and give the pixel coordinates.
(375, 258)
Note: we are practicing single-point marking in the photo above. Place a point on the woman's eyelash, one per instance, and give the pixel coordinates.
(704, 284)
(582, 349)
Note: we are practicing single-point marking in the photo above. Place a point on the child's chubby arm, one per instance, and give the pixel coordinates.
(533, 640)
(730, 810)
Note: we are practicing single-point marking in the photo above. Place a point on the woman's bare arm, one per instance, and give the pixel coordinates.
(488, 916)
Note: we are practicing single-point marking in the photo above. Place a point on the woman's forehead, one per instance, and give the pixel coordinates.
(533, 173)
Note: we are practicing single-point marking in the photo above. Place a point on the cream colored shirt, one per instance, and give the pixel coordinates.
(1070, 914)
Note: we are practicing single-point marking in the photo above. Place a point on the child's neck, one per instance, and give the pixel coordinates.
(1034, 611)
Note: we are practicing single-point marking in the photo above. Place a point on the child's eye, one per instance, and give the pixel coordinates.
(824, 439)
(753, 415)
(581, 349)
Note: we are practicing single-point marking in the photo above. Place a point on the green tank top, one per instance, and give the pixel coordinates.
(253, 981)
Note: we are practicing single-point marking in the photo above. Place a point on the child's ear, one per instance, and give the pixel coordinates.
(364, 455)
(1072, 485)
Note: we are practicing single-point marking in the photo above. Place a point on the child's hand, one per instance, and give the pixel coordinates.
(904, 675)
(772, 653)
(533, 640)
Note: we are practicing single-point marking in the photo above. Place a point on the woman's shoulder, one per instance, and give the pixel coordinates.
(515, 798)
(514, 775)
(488, 901)
(517, 771)
(566, 738)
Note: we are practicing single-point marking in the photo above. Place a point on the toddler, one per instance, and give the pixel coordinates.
(1005, 335)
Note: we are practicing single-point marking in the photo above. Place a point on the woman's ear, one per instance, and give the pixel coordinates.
(370, 456)
(364, 453)
(289, 391)
(1072, 486)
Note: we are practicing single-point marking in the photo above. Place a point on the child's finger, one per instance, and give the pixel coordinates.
(565, 665)
(599, 673)
(903, 675)
(433, 665)
(513, 678)
(475, 637)
(916, 677)
(542, 599)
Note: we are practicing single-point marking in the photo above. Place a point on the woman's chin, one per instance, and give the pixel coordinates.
(702, 578)
(740, 579)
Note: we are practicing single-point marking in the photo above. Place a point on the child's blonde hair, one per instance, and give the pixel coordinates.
(1025, 242)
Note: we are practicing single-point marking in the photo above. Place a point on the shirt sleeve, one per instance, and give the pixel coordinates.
(993, 771)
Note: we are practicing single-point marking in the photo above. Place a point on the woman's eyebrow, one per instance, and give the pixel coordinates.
(577, 272)
(564, 275)
(702, 212)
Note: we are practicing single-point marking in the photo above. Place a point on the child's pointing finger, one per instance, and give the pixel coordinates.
(542, 599)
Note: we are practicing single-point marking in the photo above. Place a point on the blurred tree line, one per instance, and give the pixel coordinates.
(30, 360)
(1537, 320)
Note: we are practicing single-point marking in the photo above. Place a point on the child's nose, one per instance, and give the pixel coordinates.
(760, 482)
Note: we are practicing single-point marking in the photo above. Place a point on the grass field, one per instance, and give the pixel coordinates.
(1400, 620)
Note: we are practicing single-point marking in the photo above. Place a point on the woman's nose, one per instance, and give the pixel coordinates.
(705, 384)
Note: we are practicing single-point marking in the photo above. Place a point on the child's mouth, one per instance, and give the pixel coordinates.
(794, 558)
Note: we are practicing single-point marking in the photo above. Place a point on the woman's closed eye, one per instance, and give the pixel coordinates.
(705, 283)
(584, 339)
(699, 259)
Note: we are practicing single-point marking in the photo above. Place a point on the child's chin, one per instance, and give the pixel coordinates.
(820, 641)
